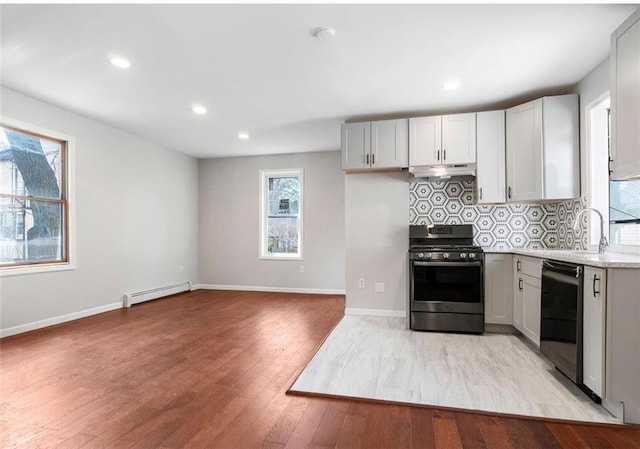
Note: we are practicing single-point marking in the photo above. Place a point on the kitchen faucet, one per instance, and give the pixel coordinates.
(602, 245)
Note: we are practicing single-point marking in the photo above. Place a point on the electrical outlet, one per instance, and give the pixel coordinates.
(301, 269)
(378, 287)
(181, 269)
(361, 282)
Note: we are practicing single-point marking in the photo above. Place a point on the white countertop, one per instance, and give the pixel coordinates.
(606, 260)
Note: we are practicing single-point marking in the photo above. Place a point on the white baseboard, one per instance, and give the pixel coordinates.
(251, 288)
(375, 312)
(58, 319)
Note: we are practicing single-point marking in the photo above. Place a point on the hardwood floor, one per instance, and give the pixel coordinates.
(210, 369)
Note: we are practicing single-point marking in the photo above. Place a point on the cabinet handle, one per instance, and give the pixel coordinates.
(444, 155)
(373, 159)
(520, 284)
(509, 192)
(438, 155)
(480, 192)
(518, 265)
(596, 278)
(367, 160)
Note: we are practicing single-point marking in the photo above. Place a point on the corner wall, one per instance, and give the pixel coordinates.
(230, 223)
(136, 221)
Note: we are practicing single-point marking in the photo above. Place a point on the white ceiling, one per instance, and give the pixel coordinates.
(257, 68)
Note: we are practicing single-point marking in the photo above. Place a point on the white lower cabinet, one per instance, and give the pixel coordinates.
(593, 330)
(517, 293)
(527, 292)
(498, 289)
(531, 295)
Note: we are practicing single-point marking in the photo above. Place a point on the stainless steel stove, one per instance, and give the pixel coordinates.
(446, 291)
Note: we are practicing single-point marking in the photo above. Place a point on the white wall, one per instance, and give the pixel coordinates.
(377, 239)
(229, 224)
(592, 87)
(136, 216)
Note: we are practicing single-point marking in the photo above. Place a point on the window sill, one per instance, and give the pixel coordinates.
(280, 258)
(33, 269)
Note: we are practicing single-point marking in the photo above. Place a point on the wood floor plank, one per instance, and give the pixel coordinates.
(331, 424)
(494, 434)
(211, 369)
(422, 435)
(446, 434)
(470, 435)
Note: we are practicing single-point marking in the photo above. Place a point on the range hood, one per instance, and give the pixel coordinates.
(443, 171)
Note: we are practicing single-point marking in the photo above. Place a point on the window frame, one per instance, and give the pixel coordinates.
(264, 175)
(67, 200)
(593, 224)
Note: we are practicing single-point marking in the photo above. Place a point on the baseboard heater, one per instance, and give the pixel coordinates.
(155, 293)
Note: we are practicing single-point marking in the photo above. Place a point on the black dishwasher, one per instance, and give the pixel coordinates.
(561, 317)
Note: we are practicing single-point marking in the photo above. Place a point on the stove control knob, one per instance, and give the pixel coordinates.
(445, 255)
(429, 255)
(464, 255)
(472, 255)
(420, 255)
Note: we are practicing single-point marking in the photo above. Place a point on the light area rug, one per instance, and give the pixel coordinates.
(378, 358)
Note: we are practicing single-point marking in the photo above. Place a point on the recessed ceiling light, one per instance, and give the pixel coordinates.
(324, 33)
(243, 136)
(198, 109)
(452, 84)
(119, 62)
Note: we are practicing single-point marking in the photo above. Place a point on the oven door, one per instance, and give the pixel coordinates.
(449, 287)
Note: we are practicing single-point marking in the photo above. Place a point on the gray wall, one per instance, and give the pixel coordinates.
(136, 219)
(229, 224)
(377, 237)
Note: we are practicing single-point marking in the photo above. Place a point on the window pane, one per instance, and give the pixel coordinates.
(30, 231)
(282, 235)
(283, 196)
(624, 212)
(29, 165)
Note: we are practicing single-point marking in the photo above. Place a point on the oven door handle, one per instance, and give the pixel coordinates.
(476, 263)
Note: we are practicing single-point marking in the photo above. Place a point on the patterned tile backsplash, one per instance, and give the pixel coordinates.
(534, 226)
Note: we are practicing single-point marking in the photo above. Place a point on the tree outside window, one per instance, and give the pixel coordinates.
(281, 214)
(33, 203)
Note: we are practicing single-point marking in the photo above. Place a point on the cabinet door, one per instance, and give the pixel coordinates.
(389, 144)
(356, 145)
(625, 99)
(498, 288)
(490, 147)
(531, 295)
(518, 285)
(593, 330)
(459, 139)
(524, 152)
(425, 141)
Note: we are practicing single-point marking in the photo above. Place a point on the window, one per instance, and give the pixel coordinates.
(281, 207)
(624, 212)
(619, 201)
(34, 197)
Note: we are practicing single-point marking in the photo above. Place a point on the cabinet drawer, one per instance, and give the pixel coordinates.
(531, 266)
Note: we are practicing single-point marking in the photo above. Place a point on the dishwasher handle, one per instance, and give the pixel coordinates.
(568, 269)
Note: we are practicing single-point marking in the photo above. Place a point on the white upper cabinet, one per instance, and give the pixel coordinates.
(442, 140)
(375, 145)
(459, 139)
(542, 155)
(425, 140)
(356, 145)
(625, 100)
(490, 142)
